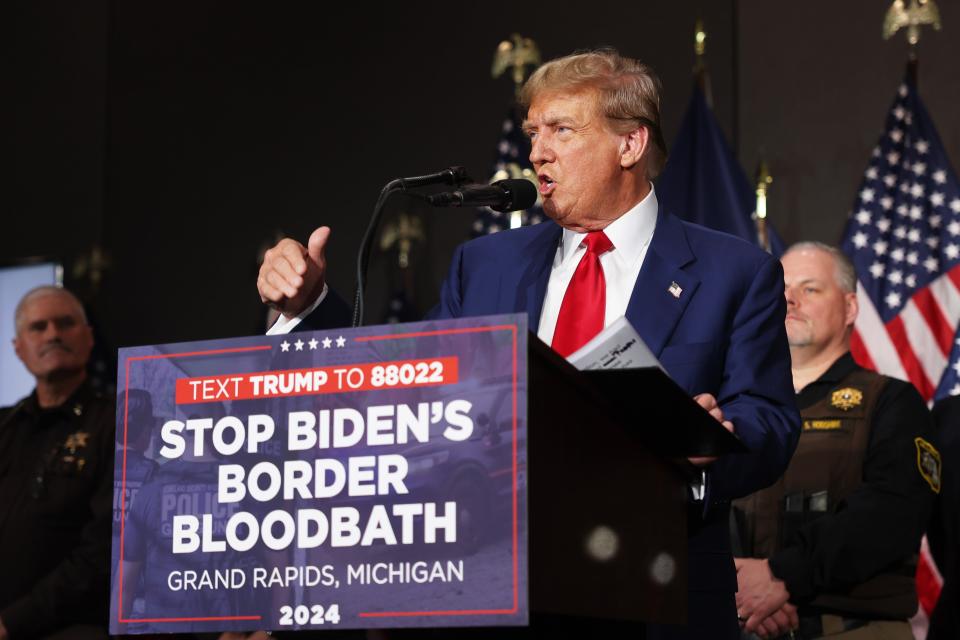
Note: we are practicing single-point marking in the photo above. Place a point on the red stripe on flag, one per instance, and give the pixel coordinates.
(859, 351)
(928, 586)
(911, 364)
(954, 275)
(939, 325)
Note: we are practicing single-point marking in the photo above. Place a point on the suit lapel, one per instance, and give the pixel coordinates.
(663, 289)
(533, 281)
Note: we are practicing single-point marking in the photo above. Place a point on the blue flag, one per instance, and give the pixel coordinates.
(703, 182)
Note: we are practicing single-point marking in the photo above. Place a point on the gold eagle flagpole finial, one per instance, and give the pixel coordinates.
(918, 13)
(517, 54)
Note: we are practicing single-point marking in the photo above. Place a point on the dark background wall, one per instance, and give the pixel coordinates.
(182, 137)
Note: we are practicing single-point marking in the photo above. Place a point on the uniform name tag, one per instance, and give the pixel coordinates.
(822, 425)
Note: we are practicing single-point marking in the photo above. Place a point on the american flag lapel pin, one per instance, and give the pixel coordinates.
(675, 290)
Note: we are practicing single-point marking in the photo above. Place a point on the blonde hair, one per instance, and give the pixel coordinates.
(628, 93)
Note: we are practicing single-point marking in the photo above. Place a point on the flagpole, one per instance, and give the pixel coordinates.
(520, 56)
(763, 182)
(700, 65)
(940, 379)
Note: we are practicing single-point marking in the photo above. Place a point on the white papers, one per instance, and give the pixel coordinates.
(619, 346)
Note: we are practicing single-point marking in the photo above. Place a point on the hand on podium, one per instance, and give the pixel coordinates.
(709, 403)
(292, 275)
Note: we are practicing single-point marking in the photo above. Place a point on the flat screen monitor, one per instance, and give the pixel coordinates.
(15, 380)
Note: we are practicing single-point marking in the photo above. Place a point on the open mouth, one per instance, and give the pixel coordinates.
(546, 184)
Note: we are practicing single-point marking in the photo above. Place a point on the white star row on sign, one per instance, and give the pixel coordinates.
(313, 344)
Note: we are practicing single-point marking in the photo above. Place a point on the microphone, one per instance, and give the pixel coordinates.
(450, 175)
(503, 196)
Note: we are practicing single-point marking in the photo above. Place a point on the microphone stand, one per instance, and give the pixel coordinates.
(453, 175)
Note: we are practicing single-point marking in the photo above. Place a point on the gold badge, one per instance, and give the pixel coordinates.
(846, 398)
(928, 461)
(76, 441)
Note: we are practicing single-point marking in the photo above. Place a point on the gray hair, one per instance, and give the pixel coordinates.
(846, 274)
(46, 290)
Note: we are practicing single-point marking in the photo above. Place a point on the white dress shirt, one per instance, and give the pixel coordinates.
(630, 235)
(285, 325)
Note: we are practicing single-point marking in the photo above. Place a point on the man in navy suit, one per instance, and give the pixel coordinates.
(710, 306)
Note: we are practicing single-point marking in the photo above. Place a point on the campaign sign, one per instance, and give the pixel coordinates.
(351, 478)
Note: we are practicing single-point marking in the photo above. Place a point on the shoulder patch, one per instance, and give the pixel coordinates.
(846, 398)
(928, 462)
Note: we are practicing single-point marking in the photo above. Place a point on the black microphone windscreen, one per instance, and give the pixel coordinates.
(523, 194)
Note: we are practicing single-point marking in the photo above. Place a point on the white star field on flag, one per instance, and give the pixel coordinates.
(904, 239)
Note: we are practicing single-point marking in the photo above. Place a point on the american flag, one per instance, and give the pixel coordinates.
(512, 161)
(904, 238)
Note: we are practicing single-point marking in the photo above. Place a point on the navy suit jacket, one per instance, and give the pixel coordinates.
(723, 335)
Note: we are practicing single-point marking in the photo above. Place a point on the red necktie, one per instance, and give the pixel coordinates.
(585, 301)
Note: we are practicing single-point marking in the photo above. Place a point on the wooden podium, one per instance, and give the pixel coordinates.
(608, 489)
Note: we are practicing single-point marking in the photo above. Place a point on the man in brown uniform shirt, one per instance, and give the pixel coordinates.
(831, 546)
